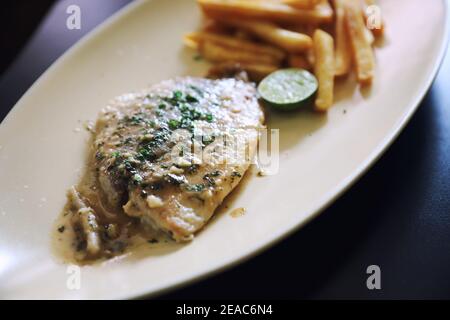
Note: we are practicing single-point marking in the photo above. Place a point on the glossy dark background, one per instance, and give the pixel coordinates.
(397, 216)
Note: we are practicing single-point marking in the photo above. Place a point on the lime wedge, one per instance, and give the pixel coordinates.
(288, 89)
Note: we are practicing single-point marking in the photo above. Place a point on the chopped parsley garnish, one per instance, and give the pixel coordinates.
(99, 156)
(191, 99)
(209, 117)
(236, 174)
(136, 120)
(198, 187)
(207, 140)
(215, 173)
(192, 168)
(197, 90)
(209, 180)
(150, 148)
(174, 124)
(137, 178)
(177, 95)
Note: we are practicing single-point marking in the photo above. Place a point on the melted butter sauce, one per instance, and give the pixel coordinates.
(133, 237)
(236, 213)
(141, 243)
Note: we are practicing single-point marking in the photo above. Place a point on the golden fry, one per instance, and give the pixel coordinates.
(302, 4)
(362, 50)
(290, 41)
(276, 54)
(214, 52)
(369, 36)
(343, 54)
(266, 10)
(324, 69)
(190, 43)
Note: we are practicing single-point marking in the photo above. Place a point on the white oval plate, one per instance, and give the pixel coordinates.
(42, 153)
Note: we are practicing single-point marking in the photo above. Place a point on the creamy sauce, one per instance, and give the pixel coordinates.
(139, 188)
(236, 213)
(129, 233)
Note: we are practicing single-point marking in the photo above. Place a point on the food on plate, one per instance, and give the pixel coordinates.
(324, 69)
(165, 158)
(360, 44)
(302, 4)
(269, 53)
(343, 54)
(267, 10)
(162, 161)
(290, 41)
(329, 38)
(288, 89)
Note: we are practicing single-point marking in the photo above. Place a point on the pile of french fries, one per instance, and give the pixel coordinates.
(329, 38)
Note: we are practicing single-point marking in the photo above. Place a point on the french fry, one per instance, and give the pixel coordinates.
(324, 69)
(243, 35)
(310, 56)
(214, 52)
(307, 29)
(302, 4)
(266, 10)
(343, 54)
(191, 43)
(372, 15)
(369, 36)
(274, 54)
(213, 26)
(290, 41)
(256, 72)
(299, 61)
(363, 55)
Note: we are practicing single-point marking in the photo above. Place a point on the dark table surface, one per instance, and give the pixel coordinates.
(397, 216)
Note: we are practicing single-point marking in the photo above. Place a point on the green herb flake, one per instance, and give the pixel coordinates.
(199, 187)
(137, 178)
(174, 124)
(178, 95)
(191, 99)
(209, 117)
(236, 174)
